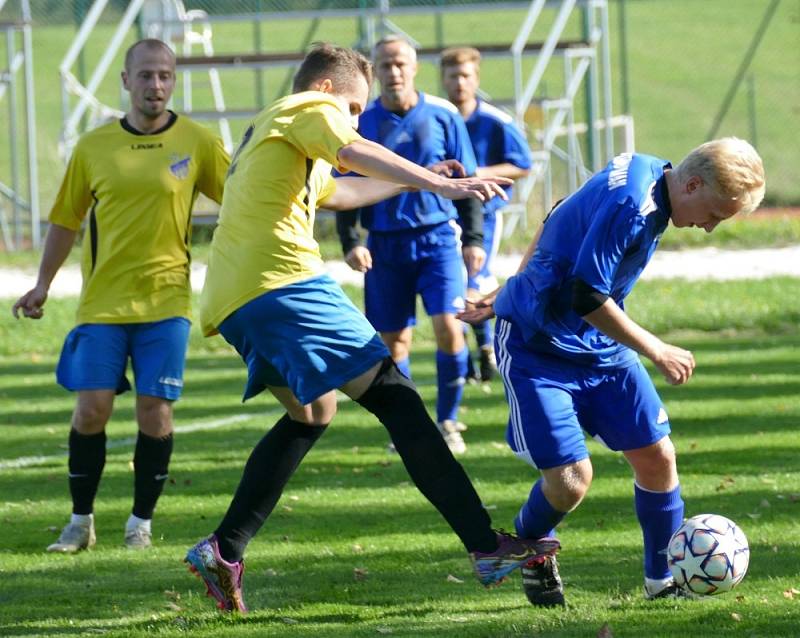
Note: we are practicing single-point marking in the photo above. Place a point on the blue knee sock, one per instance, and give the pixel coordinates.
(451, 370)
(404, 365)
(537, 518)
(660, 514)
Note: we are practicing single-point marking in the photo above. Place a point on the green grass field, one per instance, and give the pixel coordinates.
(353, 550)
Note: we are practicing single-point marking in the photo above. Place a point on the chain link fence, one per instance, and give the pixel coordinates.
(686, 70)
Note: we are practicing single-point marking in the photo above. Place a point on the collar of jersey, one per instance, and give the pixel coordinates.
(173, 117)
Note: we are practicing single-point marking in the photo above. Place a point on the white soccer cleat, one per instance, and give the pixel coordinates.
(138, 537)
(74, 538)
(452, 436)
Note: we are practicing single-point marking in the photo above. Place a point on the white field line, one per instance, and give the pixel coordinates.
(200, 426)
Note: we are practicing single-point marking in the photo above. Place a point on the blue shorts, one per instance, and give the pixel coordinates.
(551, 402)
(308, 336)
(95, 357)
(484, 280)
(425, 261)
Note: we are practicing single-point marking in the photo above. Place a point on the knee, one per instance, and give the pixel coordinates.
(154, 416)
(90, 417)
(565, 487)
(655, 467)
(319, 412)
(449, 335)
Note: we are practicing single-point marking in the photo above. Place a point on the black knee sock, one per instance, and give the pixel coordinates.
(441, 479)
(150, 464)
(270, 466)
(87, 457)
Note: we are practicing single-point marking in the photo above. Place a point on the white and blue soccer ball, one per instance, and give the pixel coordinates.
(708, 555)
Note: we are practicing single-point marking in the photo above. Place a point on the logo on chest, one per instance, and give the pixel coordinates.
(179, 165)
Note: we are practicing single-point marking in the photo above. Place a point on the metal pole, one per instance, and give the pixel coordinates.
(12, 138)
(607, 92)
(623, 57)
(259, 77)
(592, 138)
(751, 108)
(30, 121)
(748, 58)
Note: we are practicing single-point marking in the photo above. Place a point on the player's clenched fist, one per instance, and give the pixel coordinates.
(31, 303)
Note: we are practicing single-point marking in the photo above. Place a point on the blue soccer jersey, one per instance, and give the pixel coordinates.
(604, 234)
(495, 140)
(430, 132)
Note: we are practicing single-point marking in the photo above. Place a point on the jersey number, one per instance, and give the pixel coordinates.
(245, 139)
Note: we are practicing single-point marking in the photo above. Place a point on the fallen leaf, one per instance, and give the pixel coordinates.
(383, 630)
(172, 606)
(791, 593)
(453, 579)
(740, 599)
(693, 445)
(357, 549)
(605, 632)
(175, 595)
(736, 617)
(360, 573)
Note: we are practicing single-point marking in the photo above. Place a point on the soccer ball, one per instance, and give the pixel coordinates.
(708, 555)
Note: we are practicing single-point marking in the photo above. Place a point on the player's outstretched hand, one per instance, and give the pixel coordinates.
(475, 187)
(31, 303)
(676, 364)
(476, 312)
(448, 168)
(359, 258)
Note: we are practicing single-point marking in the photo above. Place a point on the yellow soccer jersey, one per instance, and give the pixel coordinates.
(278, 175)
(138, 191)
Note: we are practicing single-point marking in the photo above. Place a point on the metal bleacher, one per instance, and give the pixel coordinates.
(558, 139)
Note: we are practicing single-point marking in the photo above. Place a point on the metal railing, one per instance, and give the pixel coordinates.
(21, 204)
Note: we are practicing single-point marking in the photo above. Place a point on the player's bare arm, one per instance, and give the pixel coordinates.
(676, 364)
(355, 192)
(373, 160)
(57, 246)
(504, 169)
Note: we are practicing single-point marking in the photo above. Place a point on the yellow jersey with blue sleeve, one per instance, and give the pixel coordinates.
(278, 175)
(138, 191)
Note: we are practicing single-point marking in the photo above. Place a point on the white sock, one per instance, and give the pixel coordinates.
(135, 521)
(84, 520)
(655, 585)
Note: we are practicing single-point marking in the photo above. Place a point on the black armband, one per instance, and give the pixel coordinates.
(470, 218)
(586, 299)
(346, 227)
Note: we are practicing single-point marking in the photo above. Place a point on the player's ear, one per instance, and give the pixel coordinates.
(325, 85)
(124, 76)
(693, 183)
